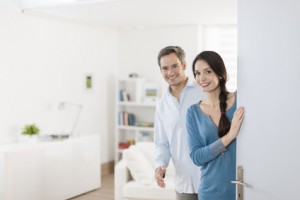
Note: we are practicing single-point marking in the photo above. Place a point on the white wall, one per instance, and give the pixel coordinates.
(43, 61)
(139, 49)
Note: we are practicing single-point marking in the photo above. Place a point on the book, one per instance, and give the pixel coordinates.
(131, 119)
(144, 124)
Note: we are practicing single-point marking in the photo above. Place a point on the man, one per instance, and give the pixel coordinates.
(170, 134)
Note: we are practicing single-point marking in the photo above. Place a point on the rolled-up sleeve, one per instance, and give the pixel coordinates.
(217, 147)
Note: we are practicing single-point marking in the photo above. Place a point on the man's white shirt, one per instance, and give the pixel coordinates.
(170, 136)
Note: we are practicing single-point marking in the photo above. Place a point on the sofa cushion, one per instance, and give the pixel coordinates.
(140, 168)
(134, 190)
(148, 150)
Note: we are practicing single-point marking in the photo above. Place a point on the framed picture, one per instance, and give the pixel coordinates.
(88, 81)
(150, 92)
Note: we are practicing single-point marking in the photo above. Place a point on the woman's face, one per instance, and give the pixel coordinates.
(206, 77)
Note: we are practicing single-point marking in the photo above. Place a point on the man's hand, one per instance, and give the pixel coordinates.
(159, 176)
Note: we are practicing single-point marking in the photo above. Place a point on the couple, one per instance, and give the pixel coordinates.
(195, 130)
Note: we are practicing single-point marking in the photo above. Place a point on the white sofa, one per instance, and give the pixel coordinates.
(134, 175)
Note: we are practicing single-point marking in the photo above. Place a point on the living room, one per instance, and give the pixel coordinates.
(47, 59)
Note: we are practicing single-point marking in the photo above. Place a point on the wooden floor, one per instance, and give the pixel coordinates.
(106, 192)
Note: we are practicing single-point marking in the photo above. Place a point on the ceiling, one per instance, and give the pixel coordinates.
(138, 13)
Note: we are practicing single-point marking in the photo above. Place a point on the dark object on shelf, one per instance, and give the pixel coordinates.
(133, 75)
(51, 137)
(59, 136)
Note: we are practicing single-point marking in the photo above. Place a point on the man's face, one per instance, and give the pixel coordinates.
(172, 69)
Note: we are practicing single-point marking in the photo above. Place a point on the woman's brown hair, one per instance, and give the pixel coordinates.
(215, 61)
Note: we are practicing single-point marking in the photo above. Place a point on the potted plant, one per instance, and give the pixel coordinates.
(30, 129)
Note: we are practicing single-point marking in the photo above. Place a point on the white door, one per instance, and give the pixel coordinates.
(269, 89)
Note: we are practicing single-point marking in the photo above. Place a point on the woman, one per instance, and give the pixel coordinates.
(213, 125)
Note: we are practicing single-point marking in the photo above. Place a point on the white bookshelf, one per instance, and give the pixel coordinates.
(131, 101)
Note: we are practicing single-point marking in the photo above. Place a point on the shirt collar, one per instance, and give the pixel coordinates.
(190, 83)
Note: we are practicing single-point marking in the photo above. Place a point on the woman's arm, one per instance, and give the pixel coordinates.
(236, 122)
(200, 153)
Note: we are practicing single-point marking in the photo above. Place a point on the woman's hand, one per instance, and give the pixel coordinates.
(236, 122)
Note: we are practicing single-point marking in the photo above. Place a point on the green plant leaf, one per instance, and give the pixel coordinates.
(30, 129)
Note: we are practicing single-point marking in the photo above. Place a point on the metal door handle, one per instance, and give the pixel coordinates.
(240, 182)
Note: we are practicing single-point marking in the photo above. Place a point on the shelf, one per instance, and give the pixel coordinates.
(136, 128)
(135, 112)
(126, 80)
(141, 104)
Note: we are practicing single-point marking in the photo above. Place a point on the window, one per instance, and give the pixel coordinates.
(223, 40)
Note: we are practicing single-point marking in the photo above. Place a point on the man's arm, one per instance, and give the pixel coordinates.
(162, 150)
